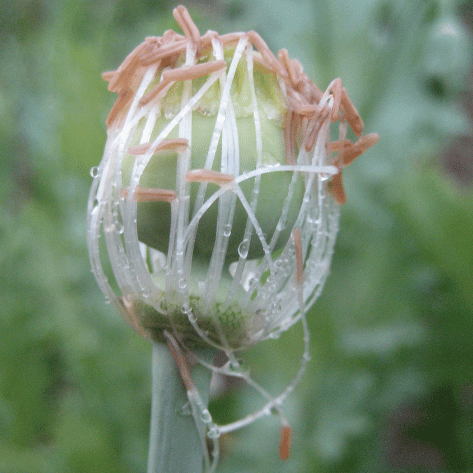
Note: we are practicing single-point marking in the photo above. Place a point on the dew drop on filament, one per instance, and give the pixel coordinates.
(205, 416)
(243, 248)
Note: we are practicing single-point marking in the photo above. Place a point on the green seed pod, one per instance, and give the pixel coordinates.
(242, 153)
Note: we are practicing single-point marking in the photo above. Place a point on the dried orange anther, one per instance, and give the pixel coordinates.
(285, 444)
(206, 175)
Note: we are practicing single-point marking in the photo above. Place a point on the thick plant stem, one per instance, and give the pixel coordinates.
(176, 442)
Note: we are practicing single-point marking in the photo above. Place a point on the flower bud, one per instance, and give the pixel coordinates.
(217, 196)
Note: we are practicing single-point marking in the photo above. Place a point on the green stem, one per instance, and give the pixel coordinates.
(176, 442)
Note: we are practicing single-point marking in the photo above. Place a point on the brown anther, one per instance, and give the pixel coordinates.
(316, 93)
(336, 88)
(314, 126)
(339, 145)
(193, 72)
(170, 36)
(353, 150)
(230, 38)
(175, 144)
(166, 51)
(285, 442)
(190, 29)
(308, 109)
(124, 99)
(296, 98)
(108, 75)
(298, 69)
(209, 176)
(350, 113)
(154, 92)
(132, 319)
(125, 74)
(147, 194)
(288, 65)
(180, 360)
(304, 125)
(296, 234)
(336, 188)
(268, 56)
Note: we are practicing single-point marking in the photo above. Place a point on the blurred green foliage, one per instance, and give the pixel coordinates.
(390, 385)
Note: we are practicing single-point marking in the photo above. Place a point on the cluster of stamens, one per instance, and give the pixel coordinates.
(268, 293)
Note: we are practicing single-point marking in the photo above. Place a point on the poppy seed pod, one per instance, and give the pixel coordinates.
(214, 211)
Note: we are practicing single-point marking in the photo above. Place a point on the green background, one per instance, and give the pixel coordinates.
(390, 384)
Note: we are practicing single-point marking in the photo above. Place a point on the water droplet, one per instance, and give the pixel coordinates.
(169, 113)
(192, 317)
(243, 248)
(185, 410)
(252, 281)
(281, 226)
(120, 228)
(324, 176)
(214, 432)
(205, 416)
(182, 283)
(227, 230)
(186, 308)
(94, 171)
